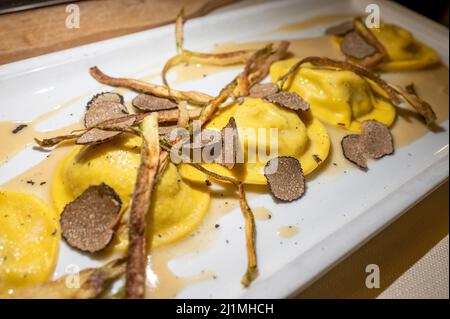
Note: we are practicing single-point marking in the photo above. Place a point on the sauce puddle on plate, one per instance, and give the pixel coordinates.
(287, 231)
(12, 143)
(262, 213)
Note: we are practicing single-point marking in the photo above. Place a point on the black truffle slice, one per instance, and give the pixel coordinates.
(355, 46)
(95, 136)
(374, 142)
(352, 150)
(261, 90)
(19, 128)
(102, 111)
(151, 103)
(102, 107)
(229, 144)
(166, 129)
(376, 139)
(340, 29)
(87, 223)
(285, 178)
(105, 97)
(288, 100)
(209, 138)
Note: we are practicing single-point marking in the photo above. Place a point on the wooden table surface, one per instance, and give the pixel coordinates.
(38, 31)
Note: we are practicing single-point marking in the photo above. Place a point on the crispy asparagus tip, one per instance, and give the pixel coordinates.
(250, 275)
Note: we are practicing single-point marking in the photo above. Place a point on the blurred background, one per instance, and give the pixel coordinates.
(435, 9)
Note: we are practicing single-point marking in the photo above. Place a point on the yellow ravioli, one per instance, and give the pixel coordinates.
(298, 136)
(337, 97)
(177, 206)
(29, 239)
(404, 51)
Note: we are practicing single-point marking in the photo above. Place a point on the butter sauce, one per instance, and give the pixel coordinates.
(261, 213)
(287, 231)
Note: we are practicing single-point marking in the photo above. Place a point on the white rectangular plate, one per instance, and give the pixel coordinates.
(337, 215)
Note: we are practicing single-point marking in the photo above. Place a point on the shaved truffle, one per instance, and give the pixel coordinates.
(374, 142)
(352, 150)
(151, 103)
(229, 146)
(103, 111)
(166, 129)
(376, 139)
(95, 136)
(286, 181)
(99, 135)
(87, 222)
(288, 100)
(105, 97)
(120, 123)
(354, 45)
(261, 90)
(340, 29)
(102, 107)
(208, 138)
(19, 128)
